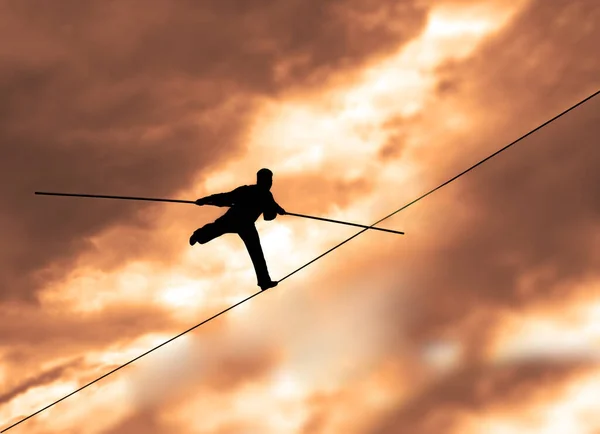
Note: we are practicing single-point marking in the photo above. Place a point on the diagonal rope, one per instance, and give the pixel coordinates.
(130, 362)
(318, 257)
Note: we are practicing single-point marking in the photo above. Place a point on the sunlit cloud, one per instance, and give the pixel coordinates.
(575, 334)
(442, 356)
(574, 411)
(340, 133)
(285, 386)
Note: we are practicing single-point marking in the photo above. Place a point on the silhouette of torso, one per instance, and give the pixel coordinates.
(246, 204)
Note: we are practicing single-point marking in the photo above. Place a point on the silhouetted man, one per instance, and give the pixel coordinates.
(246, 204)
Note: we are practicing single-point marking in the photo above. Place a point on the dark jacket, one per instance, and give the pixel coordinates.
(246, 203)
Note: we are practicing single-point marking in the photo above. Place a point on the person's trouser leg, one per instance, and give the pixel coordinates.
(249, 236)
(209, 232)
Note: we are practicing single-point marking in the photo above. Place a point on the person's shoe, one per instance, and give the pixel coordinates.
(193, 239)
(266, 285)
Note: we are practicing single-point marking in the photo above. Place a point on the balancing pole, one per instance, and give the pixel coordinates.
(152, 199)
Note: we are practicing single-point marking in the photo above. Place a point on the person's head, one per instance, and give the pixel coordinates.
(264, 178)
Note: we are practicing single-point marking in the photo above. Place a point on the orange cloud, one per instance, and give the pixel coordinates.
(341, 101)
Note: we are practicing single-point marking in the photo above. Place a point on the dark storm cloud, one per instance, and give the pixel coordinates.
(532, 211)
(41, 379)
(30, 339)
(440, 408)
(129, 97)
(536, 207)
(147, 422)
(532, 214)
(521, 229)
(31, 328)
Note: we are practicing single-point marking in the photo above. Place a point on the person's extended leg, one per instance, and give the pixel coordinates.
(209, 232)
(249, 236)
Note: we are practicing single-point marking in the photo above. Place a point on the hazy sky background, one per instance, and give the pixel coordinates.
(483, 318)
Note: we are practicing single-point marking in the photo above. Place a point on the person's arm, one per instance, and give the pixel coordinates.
(279, 209)
(273, 209)
(220, 199)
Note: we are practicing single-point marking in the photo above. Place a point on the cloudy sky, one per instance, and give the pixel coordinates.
(483, 318)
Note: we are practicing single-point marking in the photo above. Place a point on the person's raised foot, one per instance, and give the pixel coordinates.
(266, 285)
(193, 239)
